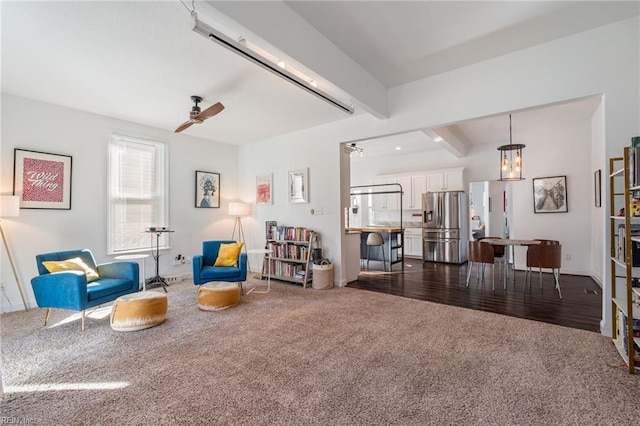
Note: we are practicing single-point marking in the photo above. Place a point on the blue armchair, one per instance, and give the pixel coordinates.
(70, 289)
(204, 271)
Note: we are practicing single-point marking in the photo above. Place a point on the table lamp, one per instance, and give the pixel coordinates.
(10, 207)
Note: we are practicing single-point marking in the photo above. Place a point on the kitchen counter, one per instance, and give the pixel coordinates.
(381, 229)
(393, 237)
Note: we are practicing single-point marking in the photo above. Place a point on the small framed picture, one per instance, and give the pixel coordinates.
(42, 180)
(299, 186)
(550, 195)
(597, 185)
(207, 190)
(264, 188)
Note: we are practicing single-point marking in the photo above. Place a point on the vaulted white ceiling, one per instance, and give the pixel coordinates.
(141, 61)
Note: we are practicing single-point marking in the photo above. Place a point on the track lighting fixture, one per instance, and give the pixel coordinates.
(278, 68)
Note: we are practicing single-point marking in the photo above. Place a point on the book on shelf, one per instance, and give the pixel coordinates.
(288, 251)
(634, 166)
(291, 233)
(622, 336)
(621, 247)
(270, 229)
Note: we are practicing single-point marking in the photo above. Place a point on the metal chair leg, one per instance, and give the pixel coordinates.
(368, 257)
(493, 277)
(556, 276)
(540, 275)
(469, 268)
(384, 262)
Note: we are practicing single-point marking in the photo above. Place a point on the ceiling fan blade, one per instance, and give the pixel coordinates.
(210, 112)
(183, 126)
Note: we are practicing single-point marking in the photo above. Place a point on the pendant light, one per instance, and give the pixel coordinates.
(511, 159)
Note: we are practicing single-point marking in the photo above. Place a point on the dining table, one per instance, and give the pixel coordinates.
(509, 242)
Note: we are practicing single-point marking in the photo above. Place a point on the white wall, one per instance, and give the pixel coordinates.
(599, 215)
(44, 127)
(569, 68)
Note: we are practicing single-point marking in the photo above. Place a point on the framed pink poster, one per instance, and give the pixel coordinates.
(42, 180)
(264, 188)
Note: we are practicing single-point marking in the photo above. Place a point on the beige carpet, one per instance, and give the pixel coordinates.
(294, 356)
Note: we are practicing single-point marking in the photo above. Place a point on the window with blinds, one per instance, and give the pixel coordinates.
(138, 193)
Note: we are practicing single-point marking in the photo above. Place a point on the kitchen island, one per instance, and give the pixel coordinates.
(393, 243)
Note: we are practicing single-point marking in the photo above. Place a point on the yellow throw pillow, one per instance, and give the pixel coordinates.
(228, 254)
(74, 264)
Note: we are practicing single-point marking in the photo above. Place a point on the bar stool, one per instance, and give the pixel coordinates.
(375, 239)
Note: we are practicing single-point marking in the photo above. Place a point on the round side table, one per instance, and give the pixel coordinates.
(266, 252)
(142, 257)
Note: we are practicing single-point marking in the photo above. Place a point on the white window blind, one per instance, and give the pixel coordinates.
(138, 193)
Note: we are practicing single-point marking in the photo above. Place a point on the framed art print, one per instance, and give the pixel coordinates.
(299, 186)
(42, 180)
(264, 188)
(597, 185)
(550, 195)
(207, 190)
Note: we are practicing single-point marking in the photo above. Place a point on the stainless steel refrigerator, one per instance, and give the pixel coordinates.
(445, 226)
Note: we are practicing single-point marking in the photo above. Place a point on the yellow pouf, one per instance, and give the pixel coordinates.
(138, 311)
(218, 296)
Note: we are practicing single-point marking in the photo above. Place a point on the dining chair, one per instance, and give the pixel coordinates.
(499, 252)
(547, 256)
(482, 254)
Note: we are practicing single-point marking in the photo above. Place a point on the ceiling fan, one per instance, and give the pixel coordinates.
(196, 116)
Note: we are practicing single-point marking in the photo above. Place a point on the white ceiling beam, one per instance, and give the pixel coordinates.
(446, 139)
(279, 26)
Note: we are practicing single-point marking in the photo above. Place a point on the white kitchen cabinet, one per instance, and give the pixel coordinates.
(419, 187)
(407, 194)
(445, 180)
(413, 186)
(386, 201)
(413, 242)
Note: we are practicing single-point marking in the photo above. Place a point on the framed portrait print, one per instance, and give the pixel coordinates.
(299, 186)
(42, 180)
(264, 188)
(207, 190)
(550, 195)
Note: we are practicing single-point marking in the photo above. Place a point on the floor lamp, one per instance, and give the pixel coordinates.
(10, 207)
(238, 210)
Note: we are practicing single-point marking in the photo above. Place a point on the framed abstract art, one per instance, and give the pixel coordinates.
(299, 186)
(264, 189)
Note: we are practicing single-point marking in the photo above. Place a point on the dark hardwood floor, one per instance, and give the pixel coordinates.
(580, 307)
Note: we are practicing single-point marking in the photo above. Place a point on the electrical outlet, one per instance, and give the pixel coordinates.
(187, 260)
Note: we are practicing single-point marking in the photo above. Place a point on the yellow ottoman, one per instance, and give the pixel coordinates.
(138, 311)
(218, 296)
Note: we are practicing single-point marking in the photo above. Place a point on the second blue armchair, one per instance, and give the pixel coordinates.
(204, 270)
